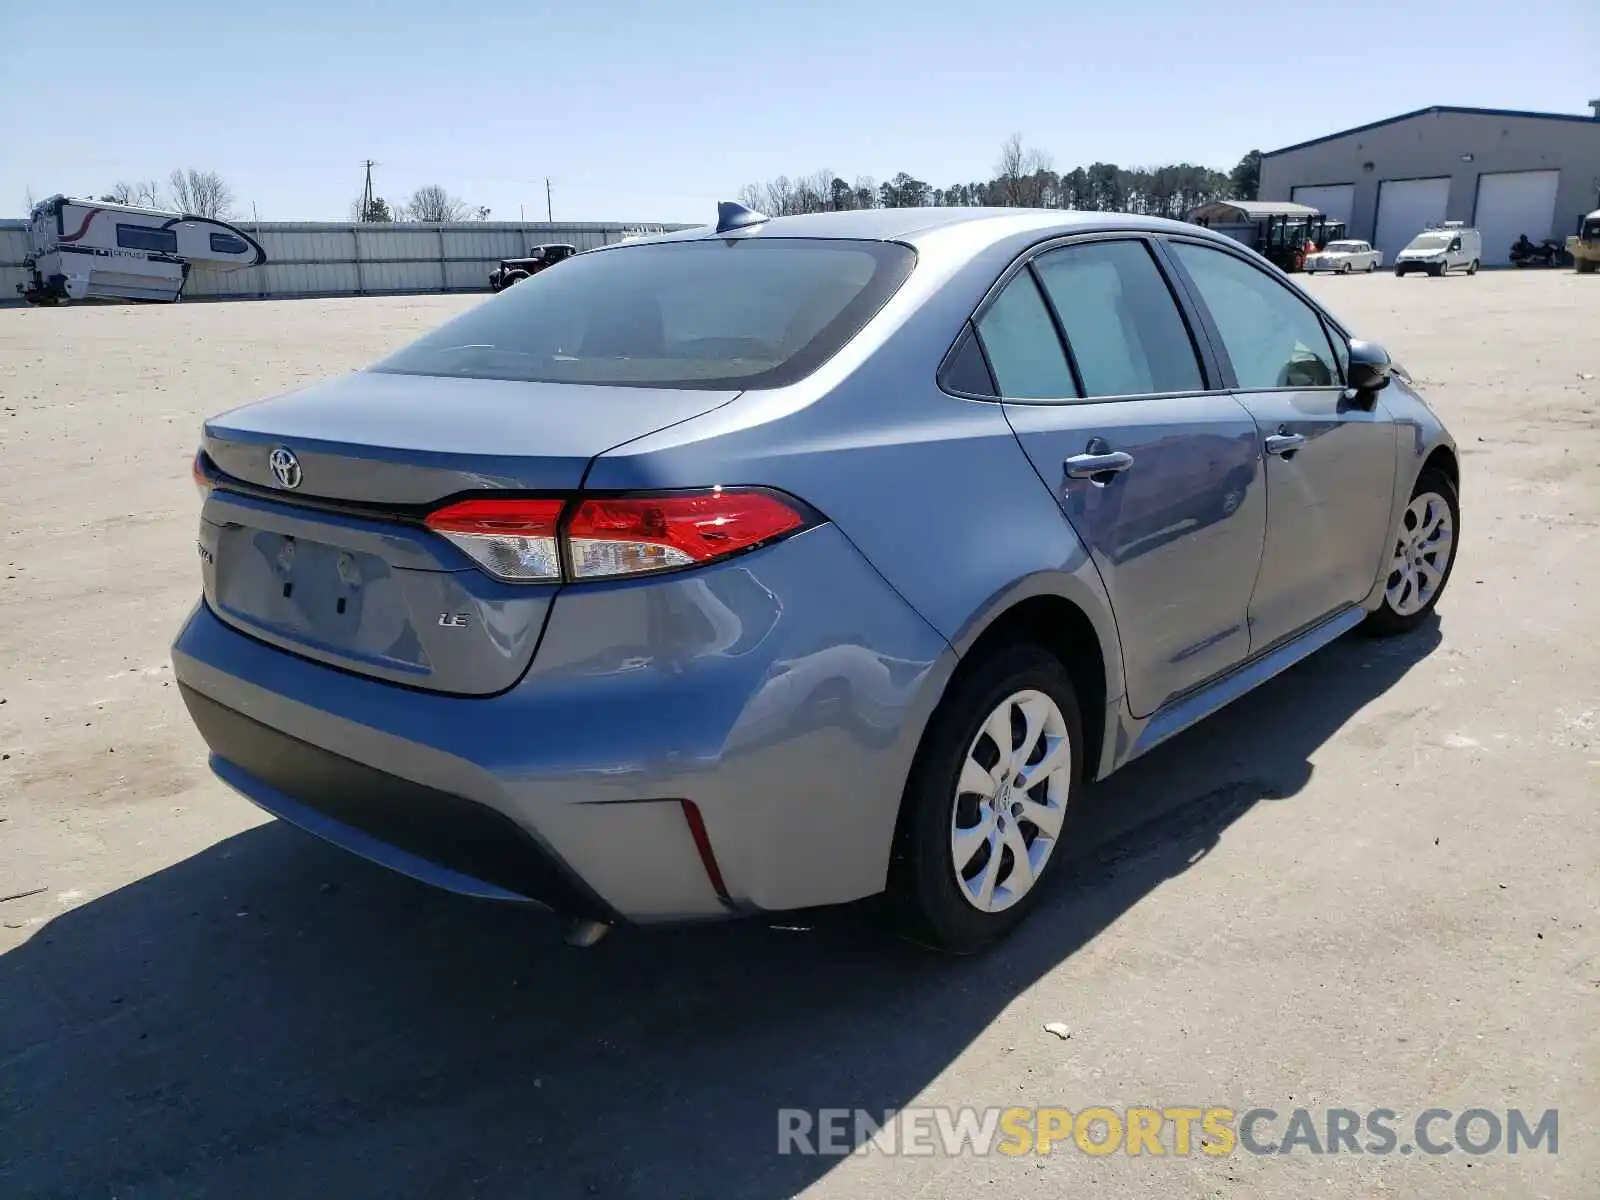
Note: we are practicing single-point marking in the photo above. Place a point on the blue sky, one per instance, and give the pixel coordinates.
(653, 112)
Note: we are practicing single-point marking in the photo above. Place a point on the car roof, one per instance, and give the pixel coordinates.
(911, 224)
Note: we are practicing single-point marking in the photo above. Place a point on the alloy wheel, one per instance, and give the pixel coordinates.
(1010, 800)
(1423, 546)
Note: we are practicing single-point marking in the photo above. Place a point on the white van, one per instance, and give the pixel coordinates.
(1440, 249)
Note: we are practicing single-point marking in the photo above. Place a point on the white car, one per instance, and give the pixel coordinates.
(1345, 257)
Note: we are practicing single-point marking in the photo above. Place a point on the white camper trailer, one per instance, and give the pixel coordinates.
(93, 249)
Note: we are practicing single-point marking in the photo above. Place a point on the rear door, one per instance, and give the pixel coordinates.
(1156, 469)
(1330, 455)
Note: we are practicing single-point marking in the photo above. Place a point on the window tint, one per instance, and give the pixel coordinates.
(142, 237)
(1020, 341)
(1121, 321)
(1274, 339)
(966, 372)
(754, 312)
(226, 243)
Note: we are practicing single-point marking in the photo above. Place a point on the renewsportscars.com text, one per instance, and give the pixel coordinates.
(1177, 1130)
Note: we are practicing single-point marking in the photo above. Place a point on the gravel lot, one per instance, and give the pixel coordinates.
(1373, 883)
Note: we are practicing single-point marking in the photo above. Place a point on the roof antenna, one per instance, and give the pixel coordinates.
(732, 215)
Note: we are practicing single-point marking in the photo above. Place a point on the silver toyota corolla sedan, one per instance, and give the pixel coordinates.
(786, 562)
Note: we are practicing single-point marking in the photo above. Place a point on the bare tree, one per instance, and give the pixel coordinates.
(434, 205)
(1022, 175)
(784, 197)
(201, 193)
(146, 192)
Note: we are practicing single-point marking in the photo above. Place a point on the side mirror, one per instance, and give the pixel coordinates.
(1370, 366)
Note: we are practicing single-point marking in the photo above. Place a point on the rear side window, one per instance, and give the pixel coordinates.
(1020, 342)
(754, 312)
(1121, 321)
(1273, 338)
(226, 243)
(142, 237)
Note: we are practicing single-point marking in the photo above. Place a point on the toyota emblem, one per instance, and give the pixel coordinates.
(285, 467)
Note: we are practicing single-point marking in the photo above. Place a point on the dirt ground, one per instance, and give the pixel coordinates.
(1373, 883)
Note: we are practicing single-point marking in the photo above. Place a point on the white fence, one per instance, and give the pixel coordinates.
(316, 258)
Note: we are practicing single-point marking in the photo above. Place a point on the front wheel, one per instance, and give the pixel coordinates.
(1422, 555)
(983, 807)
(1345, 270)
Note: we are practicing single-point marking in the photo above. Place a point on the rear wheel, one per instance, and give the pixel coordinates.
(1472, 267)
(1421, 556)
(1587, 266)
(984, 805)
(1372, 266)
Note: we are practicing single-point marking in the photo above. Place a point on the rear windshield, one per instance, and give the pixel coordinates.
(755, 312)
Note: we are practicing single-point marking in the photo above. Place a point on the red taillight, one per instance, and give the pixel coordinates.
(637, 535)
(197, 469)
(521, 540)
(510, 539)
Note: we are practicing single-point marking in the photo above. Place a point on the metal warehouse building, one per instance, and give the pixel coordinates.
(1505, 172)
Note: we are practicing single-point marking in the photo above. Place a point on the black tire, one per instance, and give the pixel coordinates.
(1586, 266)
(512, 277)
(1472, 267)
(1345, 270)
(1385, 621)
(923, 889)
(1399, 274)
(1437, 270)
(1371, 267)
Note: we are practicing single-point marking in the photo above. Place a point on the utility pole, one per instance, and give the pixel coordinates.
(366, 191)
(548, 211)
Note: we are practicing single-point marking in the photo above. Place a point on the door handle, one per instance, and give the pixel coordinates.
(1088, 466)
(1285, 443)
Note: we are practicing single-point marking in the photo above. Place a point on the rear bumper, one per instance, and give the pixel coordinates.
(438, 838)
(782, 694)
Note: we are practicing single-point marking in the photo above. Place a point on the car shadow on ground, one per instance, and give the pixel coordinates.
(273, 1018)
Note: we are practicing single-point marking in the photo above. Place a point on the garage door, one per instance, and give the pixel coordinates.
(1512, 204)
(1332, 200)
(1405, 207)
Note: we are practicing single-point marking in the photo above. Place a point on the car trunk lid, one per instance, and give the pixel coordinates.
(327, 556)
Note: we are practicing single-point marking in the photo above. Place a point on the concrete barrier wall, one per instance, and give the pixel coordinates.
(316, 258)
